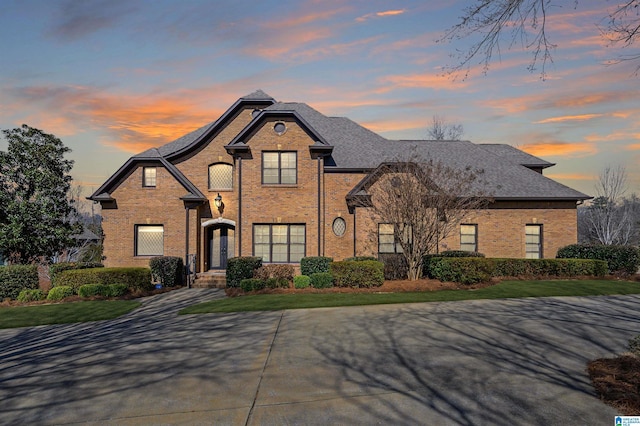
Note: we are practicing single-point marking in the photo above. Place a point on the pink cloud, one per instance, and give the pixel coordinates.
(383, 14)
(562, 149)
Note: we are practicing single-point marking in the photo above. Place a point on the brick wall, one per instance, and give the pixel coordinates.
(146, 206)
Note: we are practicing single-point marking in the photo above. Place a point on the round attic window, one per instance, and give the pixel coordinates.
(279, 128)
(339, 226)
(255, 112)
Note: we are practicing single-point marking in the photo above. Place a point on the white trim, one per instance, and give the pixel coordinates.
(218, 221)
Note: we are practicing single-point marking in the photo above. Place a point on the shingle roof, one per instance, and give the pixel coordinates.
(358, 148)
(516, 155)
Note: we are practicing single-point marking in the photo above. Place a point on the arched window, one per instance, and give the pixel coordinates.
(221, 177)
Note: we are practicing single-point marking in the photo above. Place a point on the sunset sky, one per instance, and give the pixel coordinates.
(112, 78)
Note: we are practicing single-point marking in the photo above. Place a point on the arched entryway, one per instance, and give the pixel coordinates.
(219, 243)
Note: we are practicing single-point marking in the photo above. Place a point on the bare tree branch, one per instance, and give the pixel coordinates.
(524, 22)
(442, 130)
(424, 201)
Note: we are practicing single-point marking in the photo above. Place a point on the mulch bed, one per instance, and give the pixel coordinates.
(617, 381)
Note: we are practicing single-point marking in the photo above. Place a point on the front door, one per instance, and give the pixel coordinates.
(221, 245)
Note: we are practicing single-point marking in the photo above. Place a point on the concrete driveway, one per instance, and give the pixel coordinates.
(480, 362)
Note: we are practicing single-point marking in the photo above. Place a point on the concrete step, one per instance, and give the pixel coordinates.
(210, 280)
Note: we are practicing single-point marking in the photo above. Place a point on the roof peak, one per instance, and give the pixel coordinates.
(258, 94)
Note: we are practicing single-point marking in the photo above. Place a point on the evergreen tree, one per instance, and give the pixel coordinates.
(34, 209)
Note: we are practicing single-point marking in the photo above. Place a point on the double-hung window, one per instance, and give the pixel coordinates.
(279, 243)
(149, 240)
(387, 242)
(149, 177)
(533, 241)
(469, 237)
(279, 168)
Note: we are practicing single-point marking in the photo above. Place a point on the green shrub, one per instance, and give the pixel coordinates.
(395, 266)
(240, 268)
(15, 278)
(252, 284)
(116, 290)
(563, 268)
(460, 253)
(279, 271)
(314, 264)
(470, 270)
(368, 273)
(277, 282)
(60, 292)
(30, 295)
(168, 270)
(133, 278)
(91, 290)
(359, 258)
(301, 281)
(463, 270)
(623, 260)
(321, 280)
(56, 268)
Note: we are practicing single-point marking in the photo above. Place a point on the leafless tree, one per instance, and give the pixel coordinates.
(425, 201)
(524, 22)
(442, 130)
(613, 218)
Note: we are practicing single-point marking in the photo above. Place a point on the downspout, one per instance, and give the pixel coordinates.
(319, 211)
(355, 214)
(186, 246)
(239, 227)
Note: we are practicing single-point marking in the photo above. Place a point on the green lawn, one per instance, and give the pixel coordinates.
(504, 290)
(27, 316)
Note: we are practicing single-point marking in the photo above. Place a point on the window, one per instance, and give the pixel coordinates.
(279, 243)
(149, 177)
(533, 241)
(469, 237)
(386, 239)
(339, 226)
(279, 168)
(149, 240)
(221, 177)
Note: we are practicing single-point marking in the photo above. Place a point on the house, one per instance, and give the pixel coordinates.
(274, 179)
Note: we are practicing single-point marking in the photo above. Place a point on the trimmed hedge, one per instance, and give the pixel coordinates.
(168, 270)
(301, 281)
(30, 295)
(314, 264)
(111, 290)
(60, 292)
(321, 280)
(133, 278)
(90, 290)
(252, 284)
(56, 268)
(15, 278)
(464, 270)
(278, 283)
(621, 259)
(367, 273)
(564, 268)
(240, 268)
(359, 258)
(470, 270)
(460, 253)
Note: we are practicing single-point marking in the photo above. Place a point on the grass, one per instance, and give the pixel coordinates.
(503, 290)
(63, 313)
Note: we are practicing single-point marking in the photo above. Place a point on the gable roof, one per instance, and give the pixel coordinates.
(348, 146)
